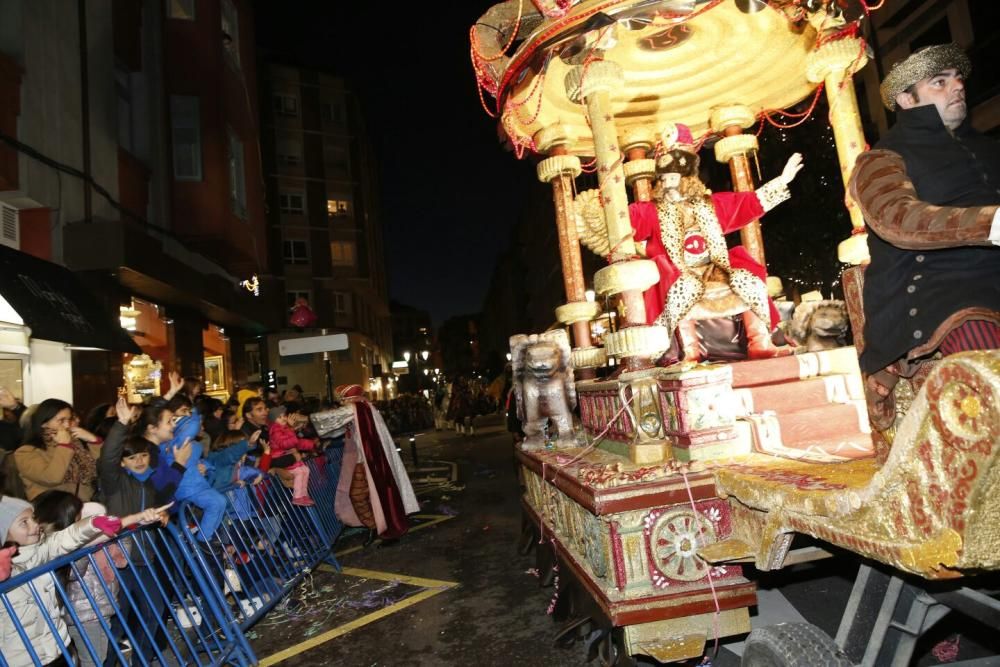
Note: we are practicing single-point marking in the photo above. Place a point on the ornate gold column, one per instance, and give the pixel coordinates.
(635, 343)
(559, 169)
(833, 63)
(734, 148)
(594, 85)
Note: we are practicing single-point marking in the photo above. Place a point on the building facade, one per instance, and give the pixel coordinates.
(324, 228)
(137, 166)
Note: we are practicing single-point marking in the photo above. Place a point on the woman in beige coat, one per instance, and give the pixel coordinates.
(57, 454)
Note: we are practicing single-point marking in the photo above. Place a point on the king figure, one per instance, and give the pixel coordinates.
(683, 232)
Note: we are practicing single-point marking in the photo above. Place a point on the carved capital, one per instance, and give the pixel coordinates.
(641, 341)
(636, 169)
(638, 137)
(577, 311)
(557, 165)
(550, 137)
(589, 357)
(638, 274)
(738, 144)
(835, 56)
(730, 115)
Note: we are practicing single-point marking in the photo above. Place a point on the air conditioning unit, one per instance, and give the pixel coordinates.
(10, 226)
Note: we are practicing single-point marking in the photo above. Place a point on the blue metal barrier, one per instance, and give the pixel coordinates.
(147, 597)
(266, 544)
(177, 600)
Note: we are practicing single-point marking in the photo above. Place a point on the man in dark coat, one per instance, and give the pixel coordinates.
(929, 192)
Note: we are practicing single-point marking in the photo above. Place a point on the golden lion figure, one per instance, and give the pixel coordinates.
(543, 385)
(820, 325)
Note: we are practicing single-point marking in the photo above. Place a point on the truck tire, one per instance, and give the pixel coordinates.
(792, 645)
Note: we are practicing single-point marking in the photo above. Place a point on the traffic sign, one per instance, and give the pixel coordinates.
(312, 344)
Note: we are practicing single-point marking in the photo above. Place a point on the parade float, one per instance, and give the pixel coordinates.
(680, 470)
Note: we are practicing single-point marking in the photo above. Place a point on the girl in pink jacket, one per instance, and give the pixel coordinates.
(286, 452)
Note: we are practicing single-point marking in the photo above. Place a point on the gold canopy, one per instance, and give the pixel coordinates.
(673, 72)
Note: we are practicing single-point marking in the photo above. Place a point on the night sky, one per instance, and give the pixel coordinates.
(450, 192)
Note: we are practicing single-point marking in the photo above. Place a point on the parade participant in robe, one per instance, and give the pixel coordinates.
(378, 491)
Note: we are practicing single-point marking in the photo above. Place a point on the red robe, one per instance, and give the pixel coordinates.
(734, 210)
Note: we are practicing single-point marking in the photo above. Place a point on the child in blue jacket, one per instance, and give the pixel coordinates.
(194, 487)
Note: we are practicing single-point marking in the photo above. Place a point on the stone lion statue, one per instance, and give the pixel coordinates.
(820, 325)
(543, 386)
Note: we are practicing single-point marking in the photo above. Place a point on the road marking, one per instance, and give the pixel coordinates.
(433, 586)
(433, 519)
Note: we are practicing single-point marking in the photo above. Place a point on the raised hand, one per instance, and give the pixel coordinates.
(176, 384)
(792, 167)
(124, 411)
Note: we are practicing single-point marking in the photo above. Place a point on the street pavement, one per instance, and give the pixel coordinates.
(454, 590)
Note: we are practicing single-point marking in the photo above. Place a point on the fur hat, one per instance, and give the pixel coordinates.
(921, 64)
(10, 509)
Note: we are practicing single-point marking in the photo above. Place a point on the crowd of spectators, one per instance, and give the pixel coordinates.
(69, 479)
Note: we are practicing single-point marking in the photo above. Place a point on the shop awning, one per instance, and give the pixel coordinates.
(56, 306)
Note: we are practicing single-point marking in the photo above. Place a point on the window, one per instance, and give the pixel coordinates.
(185, 129)
(181, 9)
(290, 152)
(342, 253)
(292, 202)
(231, 32)
(342, 303)
(335, 157)
(337, 207)
(252, 357)
(286, 105)
(237, 175)
(296, 251)
(333, 112)
(292, 296)
(12, 376)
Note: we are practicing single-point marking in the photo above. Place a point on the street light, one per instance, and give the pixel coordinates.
(425, 354)
(406, 357)
(508, 356)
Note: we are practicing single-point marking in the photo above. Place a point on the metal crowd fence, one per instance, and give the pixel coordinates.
(166, 595)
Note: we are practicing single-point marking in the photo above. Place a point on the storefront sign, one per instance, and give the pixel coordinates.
(312, 344)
